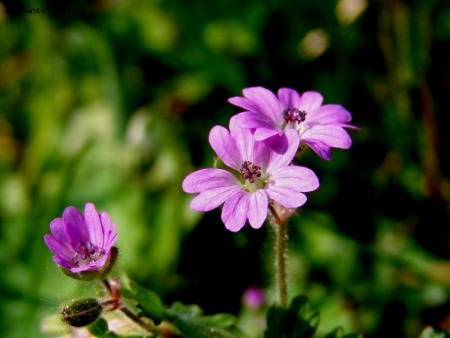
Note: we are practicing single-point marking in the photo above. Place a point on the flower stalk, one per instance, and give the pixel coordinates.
(113, 291)
(280, 227)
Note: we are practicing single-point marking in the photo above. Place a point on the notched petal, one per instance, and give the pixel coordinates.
(225, 147)
(75, 226)
(205, 179)
(94, 225)
(235, 211)
(212, 198)
(258, 209)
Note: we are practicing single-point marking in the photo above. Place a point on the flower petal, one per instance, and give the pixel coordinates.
(262, 134)
(212, 198)
(61, 262)
(58, 231)
(280, 159)
(329, 114)
(287, 197)
(266, 102)
(257, 213)
(75, 226)
(109, 233)
(252, 120)
(320, 148)
(242, 102)
(95, 228)
(310, 101)
(332, 136)
(63, 250)
(225, 147)
(289, 98)
(299, 179)
(93, 265)
(235, 211)
(205, 179)
(243, 138)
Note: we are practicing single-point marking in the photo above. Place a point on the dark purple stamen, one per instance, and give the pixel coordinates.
(293, 115)
(87, 253)
(250, 171)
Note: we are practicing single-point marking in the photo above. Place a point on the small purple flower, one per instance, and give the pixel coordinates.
(319, 126)
(260, 174)
(253, 297)
(82, 243)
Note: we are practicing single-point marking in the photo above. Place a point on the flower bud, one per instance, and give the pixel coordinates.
(253, 297)
(81, 312)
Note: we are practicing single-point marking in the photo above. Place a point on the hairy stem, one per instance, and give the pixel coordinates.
(146, 326)
(280, 228)
(115, 299)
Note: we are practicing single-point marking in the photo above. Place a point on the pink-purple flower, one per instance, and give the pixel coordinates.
(82, 243)
(253, 297)
(319, 126)
(260, 174)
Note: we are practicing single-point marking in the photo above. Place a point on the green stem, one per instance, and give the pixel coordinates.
(280, 228)
(147, 327)
(126, 311)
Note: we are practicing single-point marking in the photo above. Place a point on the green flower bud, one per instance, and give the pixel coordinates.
(81, 312)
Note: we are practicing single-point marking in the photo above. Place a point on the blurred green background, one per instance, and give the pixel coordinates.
(111, 102)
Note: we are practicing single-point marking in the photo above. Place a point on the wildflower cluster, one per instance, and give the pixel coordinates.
(259, 148)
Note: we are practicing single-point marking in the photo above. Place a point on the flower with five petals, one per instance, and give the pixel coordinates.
(319, 126)
(259, 175)
(83, 245)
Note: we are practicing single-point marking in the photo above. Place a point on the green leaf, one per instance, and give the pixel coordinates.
(337, 332)
(179, 310)
(190, 322)
(276, 322)
(100, 329)
(431, 332)
(148, 301)
(223, 320)
(304, 320)
(306, 326)
(197, 329)
(300, 305)
(297, 321)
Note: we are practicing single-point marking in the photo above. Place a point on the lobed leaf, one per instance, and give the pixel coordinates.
(148, 301)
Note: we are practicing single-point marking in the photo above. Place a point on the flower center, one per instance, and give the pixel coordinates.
(293, 115)
(250, 171)
(86, 253)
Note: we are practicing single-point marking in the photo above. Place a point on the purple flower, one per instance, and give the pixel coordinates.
(320, 127)
(82, 243)
(253, 297)
(260, 174)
